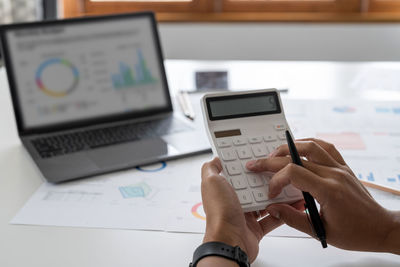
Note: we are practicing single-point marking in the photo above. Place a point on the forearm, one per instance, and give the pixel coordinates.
(216, 261)
(392, 241)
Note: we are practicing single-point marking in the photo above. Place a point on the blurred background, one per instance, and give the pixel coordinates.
(336, 30)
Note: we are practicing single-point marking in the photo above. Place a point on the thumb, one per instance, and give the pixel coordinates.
(291, 216)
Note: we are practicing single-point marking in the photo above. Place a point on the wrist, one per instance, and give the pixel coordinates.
(225, 233)
(392, 239)
(217, 261)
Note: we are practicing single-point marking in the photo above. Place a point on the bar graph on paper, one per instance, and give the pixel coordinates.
(391, 180)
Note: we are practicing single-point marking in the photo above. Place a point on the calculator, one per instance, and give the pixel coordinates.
(244, 126)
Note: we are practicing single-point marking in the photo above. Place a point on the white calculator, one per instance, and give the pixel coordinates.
(244, 126)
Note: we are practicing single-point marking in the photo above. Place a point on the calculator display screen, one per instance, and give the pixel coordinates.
(237, 106)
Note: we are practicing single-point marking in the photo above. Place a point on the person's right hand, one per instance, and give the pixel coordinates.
(352, 218)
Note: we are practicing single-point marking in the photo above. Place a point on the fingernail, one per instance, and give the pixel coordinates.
(274, 213)
(251, 164)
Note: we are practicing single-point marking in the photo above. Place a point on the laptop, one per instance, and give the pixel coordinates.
(90, 95)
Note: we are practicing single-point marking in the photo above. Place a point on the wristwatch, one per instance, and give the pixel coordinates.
(221, 250)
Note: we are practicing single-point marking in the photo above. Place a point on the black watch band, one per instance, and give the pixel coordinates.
(221, 250)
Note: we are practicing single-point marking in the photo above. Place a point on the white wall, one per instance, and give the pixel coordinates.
(281, 41)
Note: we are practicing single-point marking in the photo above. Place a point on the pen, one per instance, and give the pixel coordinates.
(186, 106)
(381, 187)
(310, 205)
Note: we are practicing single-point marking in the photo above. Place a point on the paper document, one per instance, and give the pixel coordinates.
(134, 199)
(166, 196)
(379, 78)
(367, 133)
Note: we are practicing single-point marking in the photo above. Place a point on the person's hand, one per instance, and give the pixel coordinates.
(352, 218)
(226, 221)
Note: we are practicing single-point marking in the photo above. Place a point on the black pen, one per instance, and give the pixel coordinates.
(310, 202)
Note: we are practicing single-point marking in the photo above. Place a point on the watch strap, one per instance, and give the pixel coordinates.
(221, 250)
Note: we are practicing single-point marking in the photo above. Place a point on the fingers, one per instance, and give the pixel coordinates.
(269, 164)
(301, 178)
(311, 150)
(269, 224)
(291, 216)
(284, 172)
(328, 147)
(210, 168)
(299, 205)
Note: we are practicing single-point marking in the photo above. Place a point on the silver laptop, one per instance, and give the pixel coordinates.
(90, 95)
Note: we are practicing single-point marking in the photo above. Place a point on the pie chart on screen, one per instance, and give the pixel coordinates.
(57, 77)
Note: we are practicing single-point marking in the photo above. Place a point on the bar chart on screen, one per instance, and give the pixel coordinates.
(129, 78)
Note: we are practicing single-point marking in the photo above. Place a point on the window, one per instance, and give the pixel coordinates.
(391, 6)
(243, 10)
(291, 5)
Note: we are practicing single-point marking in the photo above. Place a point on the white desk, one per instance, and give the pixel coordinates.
(61, 246)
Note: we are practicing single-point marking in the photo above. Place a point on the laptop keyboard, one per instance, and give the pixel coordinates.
(84, 140)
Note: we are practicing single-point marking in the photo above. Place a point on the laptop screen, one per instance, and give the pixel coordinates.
(88, 69)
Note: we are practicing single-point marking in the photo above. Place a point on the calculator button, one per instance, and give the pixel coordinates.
(233, 168)
(255, 140)
(267, 176)
(239, 182)
(244, 197)
(282, 136)
(223, 143)
(238, 141)
(243, 152)
(279, 127)
(244, 167)
(228, 154)
(291, 191)
(260, 194)
(272, 147)
(255, 180)
(259, 150)
(269, 138)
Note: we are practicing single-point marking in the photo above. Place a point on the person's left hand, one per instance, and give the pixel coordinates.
(226, 221)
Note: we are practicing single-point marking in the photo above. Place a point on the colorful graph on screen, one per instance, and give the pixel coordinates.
(127, 78)
(57, 77)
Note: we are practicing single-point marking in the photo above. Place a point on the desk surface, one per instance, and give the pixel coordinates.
(61, 246)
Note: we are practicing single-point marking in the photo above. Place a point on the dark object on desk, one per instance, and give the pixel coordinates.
(76, 125)
(310, 205)
(208, 80)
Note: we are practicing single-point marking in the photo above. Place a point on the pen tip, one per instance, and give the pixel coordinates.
(324, 244)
